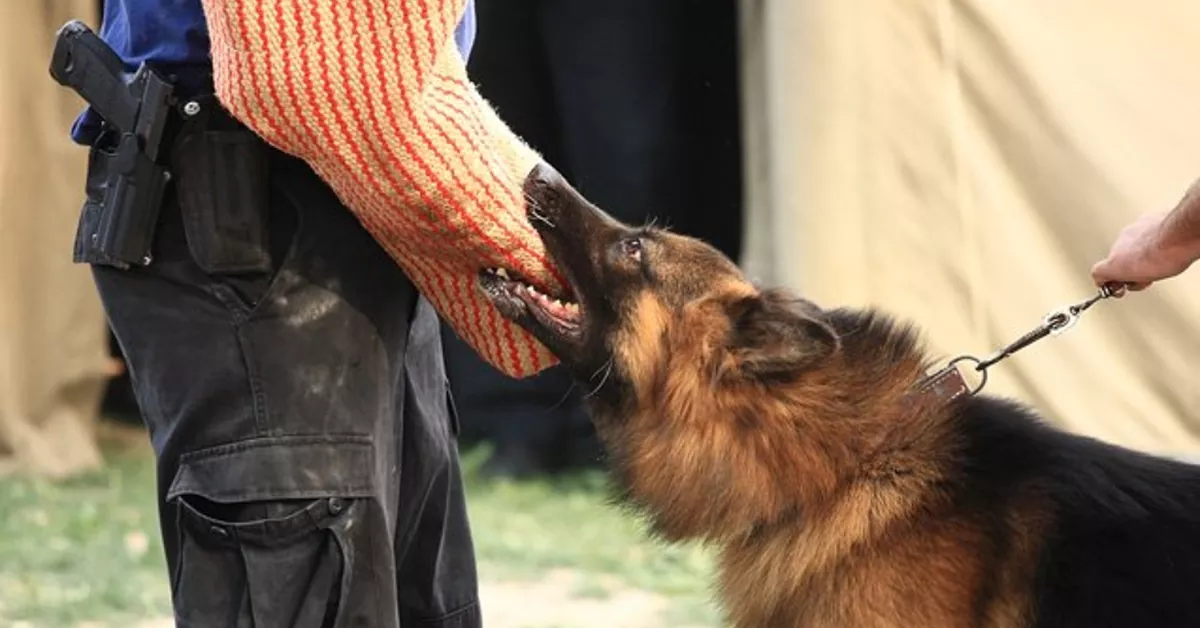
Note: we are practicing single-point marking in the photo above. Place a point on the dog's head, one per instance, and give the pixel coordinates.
(724, 408)
(644, 297)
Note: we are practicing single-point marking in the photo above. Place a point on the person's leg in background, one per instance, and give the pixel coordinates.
(712, 107)
(636, 102)
(648, 94)
(520, 419)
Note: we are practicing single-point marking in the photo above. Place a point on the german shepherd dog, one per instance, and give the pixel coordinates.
(787, 437)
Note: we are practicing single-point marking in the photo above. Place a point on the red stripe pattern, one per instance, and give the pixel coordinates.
(374, 95)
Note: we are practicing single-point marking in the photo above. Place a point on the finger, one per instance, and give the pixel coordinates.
(1100, 273)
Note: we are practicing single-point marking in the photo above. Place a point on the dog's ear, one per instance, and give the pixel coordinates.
(772, 337)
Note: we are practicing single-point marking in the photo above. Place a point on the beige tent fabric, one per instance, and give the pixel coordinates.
(52, 335)
(963, 163)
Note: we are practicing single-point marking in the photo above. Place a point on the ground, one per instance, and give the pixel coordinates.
(85, 554)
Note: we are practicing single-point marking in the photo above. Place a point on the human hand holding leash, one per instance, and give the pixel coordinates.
(1155, 246)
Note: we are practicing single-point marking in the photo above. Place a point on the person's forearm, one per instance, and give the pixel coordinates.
(1179, 234)
(374, 96)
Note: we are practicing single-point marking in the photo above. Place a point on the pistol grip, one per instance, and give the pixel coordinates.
(84, 63)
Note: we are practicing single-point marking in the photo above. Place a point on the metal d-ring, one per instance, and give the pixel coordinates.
(979, 368)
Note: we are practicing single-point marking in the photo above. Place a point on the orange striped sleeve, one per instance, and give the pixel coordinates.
(373, 94)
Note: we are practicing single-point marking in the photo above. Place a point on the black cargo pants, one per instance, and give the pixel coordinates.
(292, 381)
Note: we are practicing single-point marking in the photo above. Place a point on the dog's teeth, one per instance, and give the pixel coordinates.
(502, 273)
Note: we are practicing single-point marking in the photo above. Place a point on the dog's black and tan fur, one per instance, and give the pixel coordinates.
(785, 435)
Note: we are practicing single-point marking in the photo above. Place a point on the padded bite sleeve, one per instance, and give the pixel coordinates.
(374, 96)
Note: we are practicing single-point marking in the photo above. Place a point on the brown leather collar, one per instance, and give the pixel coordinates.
(945, 386)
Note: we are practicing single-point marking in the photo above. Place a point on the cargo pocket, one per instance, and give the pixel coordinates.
(264, 532)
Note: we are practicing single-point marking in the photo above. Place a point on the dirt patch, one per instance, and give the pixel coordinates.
(565, 599)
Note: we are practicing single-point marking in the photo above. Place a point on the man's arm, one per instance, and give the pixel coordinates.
(1180, 232)
(374, 96)
(1155, 247)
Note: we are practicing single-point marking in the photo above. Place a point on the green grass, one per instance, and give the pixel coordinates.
(523, 529)
(88, 549)
(83, 549)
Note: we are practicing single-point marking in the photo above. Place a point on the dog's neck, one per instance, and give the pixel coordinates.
(891, 470)
(865, 420)
(727, 462)
(883, 369)
(879, 437)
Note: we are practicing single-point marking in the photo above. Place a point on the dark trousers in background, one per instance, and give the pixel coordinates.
(636, 102)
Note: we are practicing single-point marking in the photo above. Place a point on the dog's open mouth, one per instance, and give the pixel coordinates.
(521, 301)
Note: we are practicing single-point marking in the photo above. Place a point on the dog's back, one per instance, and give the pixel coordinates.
(1120, 531)
(1096, 534)
(1025, 526)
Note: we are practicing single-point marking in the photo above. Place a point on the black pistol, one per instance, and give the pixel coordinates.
(135, 111)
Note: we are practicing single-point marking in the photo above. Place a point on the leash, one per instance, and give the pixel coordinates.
(948, 383)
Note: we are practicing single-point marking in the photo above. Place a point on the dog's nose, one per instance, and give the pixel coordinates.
(544, 189)
(543, 176)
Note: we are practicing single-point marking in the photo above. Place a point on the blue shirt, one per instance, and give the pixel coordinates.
(172, 35)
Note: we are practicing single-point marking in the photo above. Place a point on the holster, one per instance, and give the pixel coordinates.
(123, 197)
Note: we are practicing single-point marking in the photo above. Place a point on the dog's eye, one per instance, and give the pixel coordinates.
(632, 247)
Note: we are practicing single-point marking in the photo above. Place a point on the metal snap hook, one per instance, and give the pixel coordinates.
(1060, 320)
